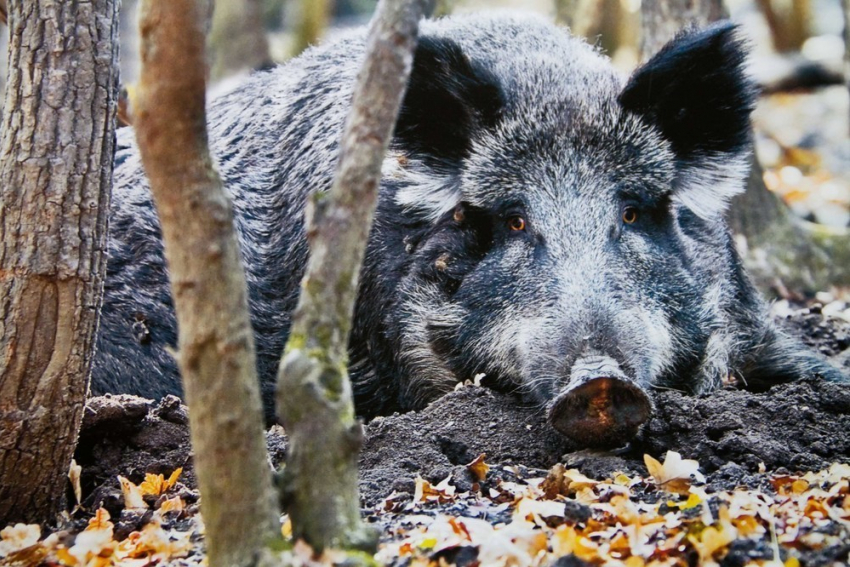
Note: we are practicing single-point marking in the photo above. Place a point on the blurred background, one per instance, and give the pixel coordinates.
(801, 124)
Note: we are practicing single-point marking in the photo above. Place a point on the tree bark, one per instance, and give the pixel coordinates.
(55, 178)
(216, 347)
(314, 394)
(238, 38)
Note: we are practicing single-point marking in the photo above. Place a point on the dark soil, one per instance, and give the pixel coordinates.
(732, 433)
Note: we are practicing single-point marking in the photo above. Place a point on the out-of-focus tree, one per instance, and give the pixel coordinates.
(444, 7)
(789, 22)
(663, 19)
(311, 21)
(237, 40)
(845, 6)
(581, 16)
(55, 179)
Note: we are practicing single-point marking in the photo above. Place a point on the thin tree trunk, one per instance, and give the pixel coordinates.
(583, 17)
(314, 394)
(845, 8)
(55, 178)
(216, 347)
(313, 16)
(238, 38)
(789, 24)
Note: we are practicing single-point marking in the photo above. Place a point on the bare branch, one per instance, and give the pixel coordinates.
(216, 357)
(314, 393)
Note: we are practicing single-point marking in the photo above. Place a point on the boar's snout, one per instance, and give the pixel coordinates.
(600, 407)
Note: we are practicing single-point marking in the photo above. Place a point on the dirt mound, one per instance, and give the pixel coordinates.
(732, 433)
(800, 426)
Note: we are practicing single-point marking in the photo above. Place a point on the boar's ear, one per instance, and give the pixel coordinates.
(696, 92)
(449, 101)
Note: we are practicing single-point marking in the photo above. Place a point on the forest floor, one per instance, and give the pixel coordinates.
(478, 478)
(733, 478)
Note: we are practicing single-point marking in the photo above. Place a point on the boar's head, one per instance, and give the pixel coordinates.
(562, 228)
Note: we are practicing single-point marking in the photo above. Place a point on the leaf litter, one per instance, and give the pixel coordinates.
(734, 478)
(516, 518)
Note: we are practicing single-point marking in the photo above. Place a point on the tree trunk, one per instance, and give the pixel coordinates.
(314, 394)
(55, 175)
(129, 34)
(784, 254)
(216, 347)
(845, 8)
(581, 16)
(788, 22)
(663, 19)
(238, 38)
(312, 20)
(780, 251)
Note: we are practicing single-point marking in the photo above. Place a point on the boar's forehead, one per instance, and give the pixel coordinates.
(561, 127)
(569, 148)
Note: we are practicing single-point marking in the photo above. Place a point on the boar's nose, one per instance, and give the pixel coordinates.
(600, 407)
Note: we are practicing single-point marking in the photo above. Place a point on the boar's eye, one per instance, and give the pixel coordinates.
(516, 223)
(630, 215)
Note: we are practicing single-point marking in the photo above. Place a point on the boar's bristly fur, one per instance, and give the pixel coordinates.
(541, 221)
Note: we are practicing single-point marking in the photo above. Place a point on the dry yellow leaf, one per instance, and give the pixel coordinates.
(174, 504)
(748, 525)
(153, 485)
(427, 492)
(172, 480)
(676, 474)
(100, 521)
(564, 540)
(479, 468)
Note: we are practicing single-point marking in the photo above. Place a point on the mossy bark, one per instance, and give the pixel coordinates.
(784, 254)
(314, 394)
(57, 149)
(216, 347)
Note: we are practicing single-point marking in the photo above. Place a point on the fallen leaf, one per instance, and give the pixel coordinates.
(132, 494)
(74, 476)
(676, 474)
(479, 468)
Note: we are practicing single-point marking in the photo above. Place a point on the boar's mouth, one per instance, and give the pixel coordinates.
(600, 407)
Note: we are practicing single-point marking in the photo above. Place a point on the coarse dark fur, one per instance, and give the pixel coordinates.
(499, 244)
